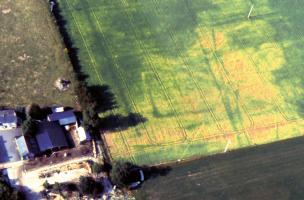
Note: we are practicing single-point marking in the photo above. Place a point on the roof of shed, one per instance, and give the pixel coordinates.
(8, 116)
(64, 118)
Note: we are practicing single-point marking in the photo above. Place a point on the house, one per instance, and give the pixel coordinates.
(50, 136)
(64, 118)
(8, 119)
(8, 149)
(27, 147)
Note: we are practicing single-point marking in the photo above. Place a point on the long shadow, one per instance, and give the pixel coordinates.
(155, 171)
(72, 50)
(103, 97)
(100, 95)
(117, 122)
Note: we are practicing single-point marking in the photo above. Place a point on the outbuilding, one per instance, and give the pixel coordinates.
(64, 118)
(8, 119)
(83, 135)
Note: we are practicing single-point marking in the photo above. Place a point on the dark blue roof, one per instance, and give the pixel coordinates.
(8, 116)
(64, 118)
(50, 135)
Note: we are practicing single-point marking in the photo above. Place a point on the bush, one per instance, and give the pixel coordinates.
(46, 185)
(89, 186)
(8, 193)
(57, 187)
(29, 127)
(97, 167)
(119, 173)
(34, 111)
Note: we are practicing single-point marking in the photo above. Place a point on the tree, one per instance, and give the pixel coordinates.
(34, 111)
(86, 184)
(82, 93)
(46, 185)
(120, 172)
(91, 121)
(8, 193)
(57, 187)
(97, 167)
(29, 127)
(89, 186)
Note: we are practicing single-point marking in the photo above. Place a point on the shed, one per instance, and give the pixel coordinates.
(83, 135)
(64, 118)
(8, 119)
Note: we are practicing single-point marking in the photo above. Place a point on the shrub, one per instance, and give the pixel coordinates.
(29, 127)
(97, 167)
(34, 111)
(89, 186)
(119, 173)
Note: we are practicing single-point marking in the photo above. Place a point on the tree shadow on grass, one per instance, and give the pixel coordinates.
(118, 122)
(155, 171)
(100, 94)
(103, 97)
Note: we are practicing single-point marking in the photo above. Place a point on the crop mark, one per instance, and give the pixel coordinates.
(186, 61)
(156, 74)
(117, 68)
(223, 69)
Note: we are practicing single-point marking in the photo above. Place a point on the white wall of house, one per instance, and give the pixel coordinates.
(8, 125)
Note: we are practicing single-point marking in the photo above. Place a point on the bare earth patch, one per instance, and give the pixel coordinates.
(6, 11)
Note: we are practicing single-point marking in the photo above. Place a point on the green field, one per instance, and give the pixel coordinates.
(32, 56)
(206, 78)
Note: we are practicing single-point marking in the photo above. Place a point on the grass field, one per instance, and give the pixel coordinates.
(205, 77)
(32, 56)
(272, 171)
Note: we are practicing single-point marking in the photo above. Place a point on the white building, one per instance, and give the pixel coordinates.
(83, 135)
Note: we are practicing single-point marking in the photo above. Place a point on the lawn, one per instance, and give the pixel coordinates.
(206, 78)
(32, 56)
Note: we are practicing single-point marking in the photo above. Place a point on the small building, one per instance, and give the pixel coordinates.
(50, 136)
(82, 135)
(64, 118)
(8, 119)
(27, 147)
